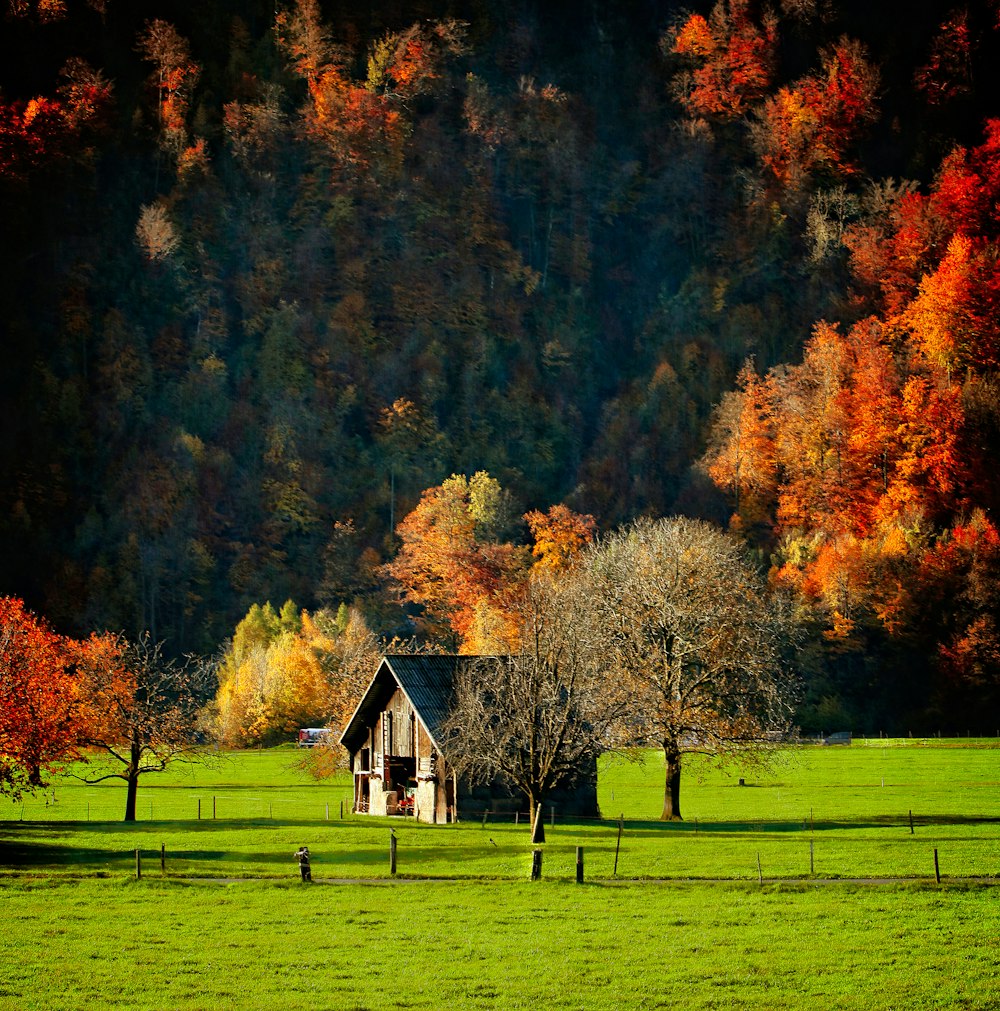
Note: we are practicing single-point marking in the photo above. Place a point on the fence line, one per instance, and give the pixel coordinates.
(192, 806)
(165, 804)
(759, 864)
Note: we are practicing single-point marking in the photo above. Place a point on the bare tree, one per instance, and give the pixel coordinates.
(143, 710)
(695, 641)
(539, 717)
(155, 233)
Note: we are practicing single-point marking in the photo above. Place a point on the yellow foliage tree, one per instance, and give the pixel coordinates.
(288, 670)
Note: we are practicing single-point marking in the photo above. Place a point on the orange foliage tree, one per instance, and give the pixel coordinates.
(468, 580)
(953, 317)
(363, 124)
(559, 536)
(39, 700)
(742, 460)
(731, 59)
(811, 125)
(141, 709)
(452, 563)
(856, 450)
(174, 77)
(868, 440)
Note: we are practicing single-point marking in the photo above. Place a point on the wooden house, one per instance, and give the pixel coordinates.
(399, 759)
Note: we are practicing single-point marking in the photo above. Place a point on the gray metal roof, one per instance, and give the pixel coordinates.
(426, 680)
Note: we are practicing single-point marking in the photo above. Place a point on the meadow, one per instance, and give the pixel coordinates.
(809, 886)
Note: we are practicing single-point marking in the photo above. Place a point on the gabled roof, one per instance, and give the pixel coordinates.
(426, 680)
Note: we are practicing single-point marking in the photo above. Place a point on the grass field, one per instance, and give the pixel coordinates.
(685, 921)
(121, 945)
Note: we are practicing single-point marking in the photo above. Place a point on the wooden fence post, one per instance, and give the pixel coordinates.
(621, 825)
(911, 823)
(812, 863)
(163, 858)
(536, 865)
(760, 873)
(937, 867)
(392, 852)
(138, 865)
(199, 809)
(213, 807)
(579, 865)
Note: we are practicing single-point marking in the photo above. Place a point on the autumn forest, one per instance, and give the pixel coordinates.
(376, 307)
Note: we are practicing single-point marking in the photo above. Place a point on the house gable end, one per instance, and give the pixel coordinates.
(427, 681)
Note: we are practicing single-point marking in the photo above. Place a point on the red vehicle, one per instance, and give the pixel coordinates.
(311, 736)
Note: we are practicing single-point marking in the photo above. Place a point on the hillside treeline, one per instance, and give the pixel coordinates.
(270, 273)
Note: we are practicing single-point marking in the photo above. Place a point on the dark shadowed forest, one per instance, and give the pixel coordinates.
(270, 272)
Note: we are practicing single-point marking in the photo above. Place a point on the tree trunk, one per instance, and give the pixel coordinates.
(672, 784)
(537, 824)
(132, 779)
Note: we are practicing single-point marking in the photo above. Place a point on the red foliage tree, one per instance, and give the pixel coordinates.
(947, 74)
(812, 125)
(30, 133)
(731, 58)
(893, 255)
(39, 701)
(45, 129)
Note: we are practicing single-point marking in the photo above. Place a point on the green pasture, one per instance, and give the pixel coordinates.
(475, 945)
(803, 888)
(871, 810)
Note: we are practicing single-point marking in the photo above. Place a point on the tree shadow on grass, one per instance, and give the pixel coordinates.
(73, 829)
(48, 854)
(650, 829)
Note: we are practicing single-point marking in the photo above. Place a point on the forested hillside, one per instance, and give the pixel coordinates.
(271, 272)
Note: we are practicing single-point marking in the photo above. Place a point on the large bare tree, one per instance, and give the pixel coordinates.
(696, 642)
(539, 716)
